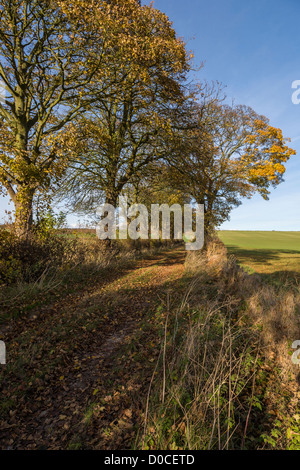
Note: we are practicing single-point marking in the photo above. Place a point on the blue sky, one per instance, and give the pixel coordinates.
(252, 47)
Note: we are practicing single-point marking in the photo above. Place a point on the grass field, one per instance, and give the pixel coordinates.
(265, 252)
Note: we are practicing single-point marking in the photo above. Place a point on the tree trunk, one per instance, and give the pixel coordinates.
(24, 213)
(110, 198)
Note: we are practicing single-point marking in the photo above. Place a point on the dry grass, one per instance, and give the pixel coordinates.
(275, 311)
(226, 363)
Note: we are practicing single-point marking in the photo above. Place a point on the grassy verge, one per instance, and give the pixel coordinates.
(224, 378)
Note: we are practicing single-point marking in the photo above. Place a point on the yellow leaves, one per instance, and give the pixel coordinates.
(250, 139)
(266, 152)
(259, 124)
(279, 168)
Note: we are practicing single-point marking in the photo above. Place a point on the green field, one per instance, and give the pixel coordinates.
(265, 252)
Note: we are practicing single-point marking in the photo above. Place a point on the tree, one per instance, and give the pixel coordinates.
(123, 131)
(232, 153)
(53, 59)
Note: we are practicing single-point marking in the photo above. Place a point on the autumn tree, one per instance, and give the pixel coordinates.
(232, 153)
(123, 131)
(54, 56)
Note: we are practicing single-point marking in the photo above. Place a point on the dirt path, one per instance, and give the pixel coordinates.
(86, 362)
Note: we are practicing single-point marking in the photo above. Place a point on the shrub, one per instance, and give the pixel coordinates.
(25, 260)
